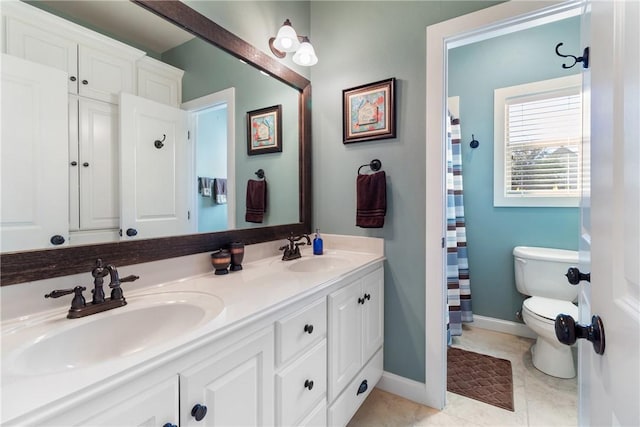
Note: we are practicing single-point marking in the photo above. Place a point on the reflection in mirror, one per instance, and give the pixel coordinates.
(217, 156)
(288, 172)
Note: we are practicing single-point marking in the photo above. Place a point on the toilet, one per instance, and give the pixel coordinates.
(540, 273)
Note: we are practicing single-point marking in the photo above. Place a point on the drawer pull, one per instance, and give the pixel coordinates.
(360, 300)
(308, 384)
(198, 412)
(363, 387)
(169, 425)
(308, 329)
(367, 296)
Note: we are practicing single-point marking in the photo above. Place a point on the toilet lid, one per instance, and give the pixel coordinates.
(550, 308)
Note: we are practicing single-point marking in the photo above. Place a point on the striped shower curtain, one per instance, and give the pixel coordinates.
(458, 284)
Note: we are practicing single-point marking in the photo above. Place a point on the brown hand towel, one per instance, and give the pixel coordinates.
(256, 200)
(372, 200)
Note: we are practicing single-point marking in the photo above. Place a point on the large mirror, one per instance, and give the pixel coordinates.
(291, 212)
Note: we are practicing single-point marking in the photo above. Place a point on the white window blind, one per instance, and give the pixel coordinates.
(543, 146)
(541, 156)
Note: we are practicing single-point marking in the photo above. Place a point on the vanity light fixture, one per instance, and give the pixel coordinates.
(287, 40)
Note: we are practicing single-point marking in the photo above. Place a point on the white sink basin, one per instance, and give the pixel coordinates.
(144, 322)
(318, 263)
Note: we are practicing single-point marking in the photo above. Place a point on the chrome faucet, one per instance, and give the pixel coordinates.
(292, 249)
(80, 308)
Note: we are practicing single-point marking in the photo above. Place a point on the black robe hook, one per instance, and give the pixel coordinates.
(474, 142)
(584, 58)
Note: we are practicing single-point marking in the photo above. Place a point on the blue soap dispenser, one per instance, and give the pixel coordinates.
(317, 243)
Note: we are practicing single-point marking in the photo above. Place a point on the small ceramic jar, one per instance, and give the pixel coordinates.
(237, 255)
(220, 261)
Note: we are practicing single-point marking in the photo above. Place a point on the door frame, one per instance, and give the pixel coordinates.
(226, 96)
(487, 23)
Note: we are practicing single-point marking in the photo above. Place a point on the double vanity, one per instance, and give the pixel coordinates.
(278, 343)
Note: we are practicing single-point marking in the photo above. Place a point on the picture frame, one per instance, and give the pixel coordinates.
(264, 130)
(369, 112)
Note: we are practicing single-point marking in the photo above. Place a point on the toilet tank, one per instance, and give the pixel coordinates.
(541, 272)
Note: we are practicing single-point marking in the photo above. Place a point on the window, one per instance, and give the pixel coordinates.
(538, 140)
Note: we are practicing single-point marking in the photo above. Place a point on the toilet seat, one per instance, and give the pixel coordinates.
(546, 309)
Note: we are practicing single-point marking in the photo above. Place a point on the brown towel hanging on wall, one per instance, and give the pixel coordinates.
(256, 200)
(371, 200)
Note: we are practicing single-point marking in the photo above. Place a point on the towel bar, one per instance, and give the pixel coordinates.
(260, 173)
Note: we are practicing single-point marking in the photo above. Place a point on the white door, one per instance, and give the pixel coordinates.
(34, 149)
(154, 169)
(610, 384)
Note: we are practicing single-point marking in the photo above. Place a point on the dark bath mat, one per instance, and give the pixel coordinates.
(480, 377)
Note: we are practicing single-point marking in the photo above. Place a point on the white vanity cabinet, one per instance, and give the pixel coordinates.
(159, 82)
(301, 358)
(231, 387)
(356, 333)
(278, 356)
(97, 67)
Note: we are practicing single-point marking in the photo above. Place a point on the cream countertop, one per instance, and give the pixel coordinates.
(262, 288)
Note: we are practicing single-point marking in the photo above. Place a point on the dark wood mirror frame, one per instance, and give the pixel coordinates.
(29, 266)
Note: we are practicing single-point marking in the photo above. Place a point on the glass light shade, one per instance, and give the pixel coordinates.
(305, 55)
(286, 39)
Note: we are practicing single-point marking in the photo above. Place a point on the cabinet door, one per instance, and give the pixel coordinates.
(154, 168)
(98, 163)
(74, 164)
(34, 145)
(159, 82)
(345, 349)
(103, 74)
(372, 314)
(46, 48)
(236, 386)
(153, 407)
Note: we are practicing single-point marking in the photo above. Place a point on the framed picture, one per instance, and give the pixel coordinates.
(264, 130)
(369, 112)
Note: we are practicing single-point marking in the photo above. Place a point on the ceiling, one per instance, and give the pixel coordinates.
(124, 19)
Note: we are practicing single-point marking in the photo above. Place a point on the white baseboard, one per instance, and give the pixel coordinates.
(403, 387)
(505, 326)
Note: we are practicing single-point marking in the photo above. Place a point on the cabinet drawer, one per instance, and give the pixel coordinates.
(316, 418)
(349, 401)
(300, 330)
(296, 394)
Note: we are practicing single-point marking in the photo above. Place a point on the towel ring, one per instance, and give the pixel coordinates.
(374, 165)
(260, 173)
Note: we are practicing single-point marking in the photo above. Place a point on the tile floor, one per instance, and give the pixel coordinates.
(539, 400)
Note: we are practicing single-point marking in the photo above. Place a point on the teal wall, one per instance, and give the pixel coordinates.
(208, 70)
(358, 43)
(211, 162)
(474, 72)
